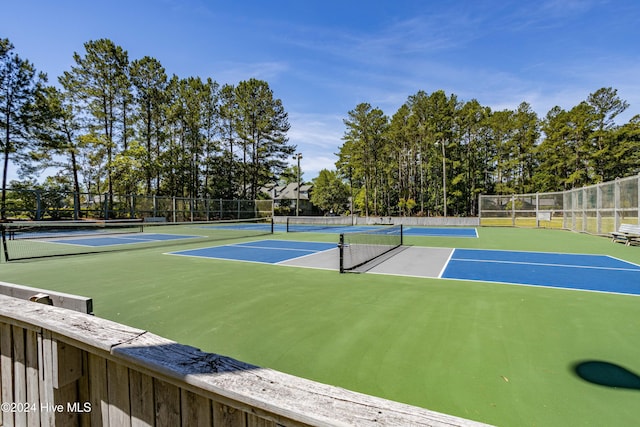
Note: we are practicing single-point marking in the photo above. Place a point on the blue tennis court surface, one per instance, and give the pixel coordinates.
(571, 271)
(262, 251)
(122, 239)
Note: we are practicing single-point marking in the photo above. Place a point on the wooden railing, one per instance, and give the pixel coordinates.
(66, 368)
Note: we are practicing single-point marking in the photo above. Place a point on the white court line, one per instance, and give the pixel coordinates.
(561, 288)
(216, 258)
(623, 260)
(304, 256)
(272, 248)
(446, 263)
(546, 264)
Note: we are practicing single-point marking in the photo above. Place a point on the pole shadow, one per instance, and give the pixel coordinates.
(607, 374)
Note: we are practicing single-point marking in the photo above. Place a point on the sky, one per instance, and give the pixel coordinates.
(324, 57)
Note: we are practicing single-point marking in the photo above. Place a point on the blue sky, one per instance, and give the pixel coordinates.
(322, 58)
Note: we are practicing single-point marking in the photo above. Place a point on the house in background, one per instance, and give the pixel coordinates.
(285, 198)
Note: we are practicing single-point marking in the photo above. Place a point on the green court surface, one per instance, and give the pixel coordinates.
(500, 354)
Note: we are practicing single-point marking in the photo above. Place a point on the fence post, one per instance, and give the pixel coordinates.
(577, 211)
(537, 210)
(599, 208)
(155, 206)
(76, 205)
(341, 248)
(174, 207)
(106, 206)
(38, 206)
(637, 207)
(584, 210)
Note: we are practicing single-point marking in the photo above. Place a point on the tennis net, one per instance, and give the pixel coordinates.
(358, 249)
(315, 223)
(32, 239)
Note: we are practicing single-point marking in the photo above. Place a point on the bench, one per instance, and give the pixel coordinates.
(629, 234)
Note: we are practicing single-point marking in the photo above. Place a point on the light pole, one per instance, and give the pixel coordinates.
(298, 157)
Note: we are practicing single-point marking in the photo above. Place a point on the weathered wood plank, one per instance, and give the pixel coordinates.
(167, 400)
(64, 413)
(19, 373)
(228, 416)
(196, 410)
(33, 386)
(58, 299)
(86, 332)
(99, 396)
(84, 396)
(142, 405)
(6, 370)
(118, 392)
(45, 358)
(271, 394)
(255, 421)
(67, 364)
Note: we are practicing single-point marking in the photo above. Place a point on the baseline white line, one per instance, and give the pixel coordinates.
(304, 256)
(492, 282)
(547, 264)
(216, 258)
(623, 260)
(562, 288)
(311, 251)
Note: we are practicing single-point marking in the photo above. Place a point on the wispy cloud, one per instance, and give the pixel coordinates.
(317, 130)
(234, 72)
(318, 137)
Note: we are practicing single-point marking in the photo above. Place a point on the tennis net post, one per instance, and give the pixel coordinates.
(341, 246)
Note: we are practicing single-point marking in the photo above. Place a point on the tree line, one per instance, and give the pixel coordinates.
(436, 148)
(120, 126)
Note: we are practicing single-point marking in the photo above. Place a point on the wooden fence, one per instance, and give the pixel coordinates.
(66, 368)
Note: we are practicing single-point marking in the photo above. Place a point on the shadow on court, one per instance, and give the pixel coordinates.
(607, 374)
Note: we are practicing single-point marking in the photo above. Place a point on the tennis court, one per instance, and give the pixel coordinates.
(24, 240)
(261, 251)
(322, 226)
(128, 239)
(502, 354)
(599, 273)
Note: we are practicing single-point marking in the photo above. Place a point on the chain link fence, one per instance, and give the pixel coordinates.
(596, 209)
(42, 205)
